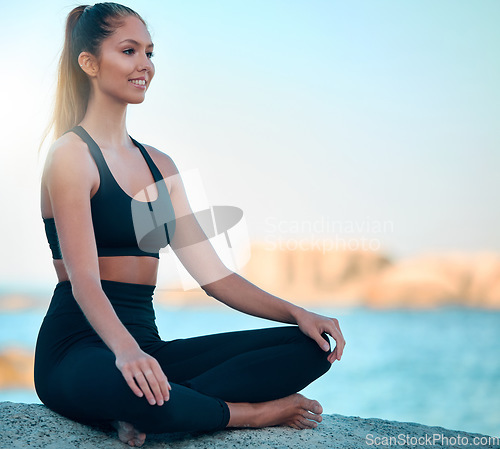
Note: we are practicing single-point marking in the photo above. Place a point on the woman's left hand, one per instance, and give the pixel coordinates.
(313, 325)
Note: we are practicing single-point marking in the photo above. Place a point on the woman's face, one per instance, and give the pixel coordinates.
(125, 69)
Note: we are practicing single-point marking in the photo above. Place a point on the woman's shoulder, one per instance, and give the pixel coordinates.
(164, 161)
(66, 153)
(61, 146)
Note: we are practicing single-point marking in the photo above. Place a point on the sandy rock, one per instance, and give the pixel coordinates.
(314, 276)
(420, 282)
(437, 279)
(34, 426)
(483, 287)
(16, 301)
(16, 368)
(343, 277)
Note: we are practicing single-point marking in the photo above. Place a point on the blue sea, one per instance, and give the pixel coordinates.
(439, 367)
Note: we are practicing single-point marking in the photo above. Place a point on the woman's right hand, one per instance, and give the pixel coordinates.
(144, 375)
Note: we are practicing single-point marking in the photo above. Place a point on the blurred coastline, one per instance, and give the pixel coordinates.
(350, 278)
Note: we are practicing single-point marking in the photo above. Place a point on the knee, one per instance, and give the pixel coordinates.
(311, 355)
(315, 356)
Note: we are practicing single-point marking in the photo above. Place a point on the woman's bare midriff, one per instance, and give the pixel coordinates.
(132, 269)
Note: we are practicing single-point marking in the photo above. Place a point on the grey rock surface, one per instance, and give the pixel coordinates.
(34, 426)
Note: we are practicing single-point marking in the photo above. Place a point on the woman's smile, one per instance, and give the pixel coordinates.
(139, 83)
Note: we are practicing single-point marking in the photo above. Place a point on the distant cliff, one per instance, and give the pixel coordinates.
(367, 278)
(34, 426)
(16, 369)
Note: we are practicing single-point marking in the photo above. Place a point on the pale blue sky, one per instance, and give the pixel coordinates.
(295, 111)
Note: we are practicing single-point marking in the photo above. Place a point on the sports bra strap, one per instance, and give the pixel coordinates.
(93, 147)
(152, 166)
(99, 158)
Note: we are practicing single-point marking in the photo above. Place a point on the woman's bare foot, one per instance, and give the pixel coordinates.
(127, 433)
(295, 411)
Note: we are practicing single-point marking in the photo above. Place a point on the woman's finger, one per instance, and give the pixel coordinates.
(342, 346)
(144, 386)
(133, 386)
(162, 381)
(337, 336)
(332, 356)
(154, 386)
(322, 342)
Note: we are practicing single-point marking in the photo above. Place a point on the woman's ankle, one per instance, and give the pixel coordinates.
(243, 414)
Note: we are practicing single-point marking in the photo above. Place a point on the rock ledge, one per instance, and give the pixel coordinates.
(34, 426)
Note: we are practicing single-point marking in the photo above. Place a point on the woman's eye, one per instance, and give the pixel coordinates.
(150, 54)
(131, 50)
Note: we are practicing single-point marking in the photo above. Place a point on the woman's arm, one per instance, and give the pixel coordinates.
(70, 175)
(194, 250)
(240, 294)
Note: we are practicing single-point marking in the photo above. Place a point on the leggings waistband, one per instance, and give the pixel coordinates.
(132, 302)
(117, 287)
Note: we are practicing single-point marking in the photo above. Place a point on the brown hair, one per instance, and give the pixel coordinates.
(86, 28)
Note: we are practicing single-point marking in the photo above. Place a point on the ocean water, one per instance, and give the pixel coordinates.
(439, 367)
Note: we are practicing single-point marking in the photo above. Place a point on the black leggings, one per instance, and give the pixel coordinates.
(76, 375)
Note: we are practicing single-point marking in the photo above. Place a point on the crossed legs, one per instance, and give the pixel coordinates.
(244, 366)
(234, 379)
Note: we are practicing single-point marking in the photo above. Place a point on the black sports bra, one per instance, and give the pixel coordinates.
(123, 226)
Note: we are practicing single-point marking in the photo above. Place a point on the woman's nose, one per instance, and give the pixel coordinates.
(146, 64)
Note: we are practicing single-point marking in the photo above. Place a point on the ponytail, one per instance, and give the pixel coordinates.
(86, 28)
(73, 87)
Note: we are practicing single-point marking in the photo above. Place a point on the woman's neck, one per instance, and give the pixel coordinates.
(105, 120)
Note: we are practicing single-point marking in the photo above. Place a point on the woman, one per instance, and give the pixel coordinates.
(99, 357)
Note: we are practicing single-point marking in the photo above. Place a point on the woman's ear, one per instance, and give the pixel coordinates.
(88, 63)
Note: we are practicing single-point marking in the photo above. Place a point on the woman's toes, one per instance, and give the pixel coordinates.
(128, 434)
(139, 439)
(313, 416)
(314, 406)
(308, 424)
(317, 408)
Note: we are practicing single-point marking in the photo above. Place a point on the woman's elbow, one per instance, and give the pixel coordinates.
(219, 283)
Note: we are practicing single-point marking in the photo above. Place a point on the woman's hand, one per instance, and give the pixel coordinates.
(144, 375)
(313, 325)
